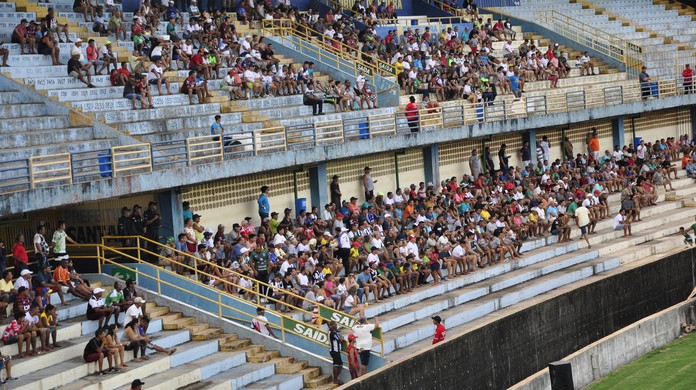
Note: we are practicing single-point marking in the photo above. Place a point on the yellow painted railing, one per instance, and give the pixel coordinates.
(131, 159)
(201, 268)
(51, 170)
(344, 55)
(205, 148)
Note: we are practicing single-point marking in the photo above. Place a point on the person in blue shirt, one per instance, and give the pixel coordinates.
(516, 84)
(264, 205)
(216, 128)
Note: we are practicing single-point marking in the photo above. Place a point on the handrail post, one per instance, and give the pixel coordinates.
(159, 282)
(219, 303)
(113, 162)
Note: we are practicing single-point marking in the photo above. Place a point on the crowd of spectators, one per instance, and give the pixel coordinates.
(385, 244)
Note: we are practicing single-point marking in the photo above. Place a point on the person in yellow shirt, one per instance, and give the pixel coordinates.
(49, 320)
(485, 214)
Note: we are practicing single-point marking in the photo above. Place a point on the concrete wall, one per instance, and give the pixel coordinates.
(171, 178)
(500, 354)
(610, 353)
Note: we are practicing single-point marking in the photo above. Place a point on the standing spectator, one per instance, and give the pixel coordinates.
(503, 158)
(3, 258)
(353, 358)
(259, 259)
(526, 155)
(335, 350)
(568, 149)
(59, 238)
(645, 84)
(688, 79)
(546, 147)
(475, 164)
(311, 99)
(584, 221)
(368, 184)
(439, 329)
(336, 194)
(264, 204)
(41, 247)
(19, 254)
(411, 114)
(363, 331)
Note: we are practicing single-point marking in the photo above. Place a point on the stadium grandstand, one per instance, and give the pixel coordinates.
(294, 194)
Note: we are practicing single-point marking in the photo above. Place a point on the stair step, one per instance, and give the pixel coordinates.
(179, 323)
(318, 381)
(207, 334)
(235, 345)
(263, 357)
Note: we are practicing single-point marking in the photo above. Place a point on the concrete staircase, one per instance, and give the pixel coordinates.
(205, 358)
(28, 128)
(546, 266)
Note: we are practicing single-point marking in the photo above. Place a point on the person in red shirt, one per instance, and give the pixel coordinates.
(353, 361)
(439, 329)
(688, 75)
(412, 114)
(19, 254)
(120, 77)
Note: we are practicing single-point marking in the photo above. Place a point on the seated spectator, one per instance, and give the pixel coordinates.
(100, 23)
(115, 346)
(84, 7)
(135, 310)
(155, 76)
(24, 280)
(23, 39)
(32, 317)
(97, 310)
(76, 70)
(310, 99)
(21, 259)
(17, 331)
(117, 298)
(50, 24)
(96, 351)
(107, 57)
(44, 279)
(48, 321)
(131, 92)
(191, 86)
(74, 286)
(116, 25)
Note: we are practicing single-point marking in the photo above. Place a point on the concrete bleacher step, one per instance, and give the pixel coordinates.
(81, 93)
(606, 243)
(46, 122)
(186, 111)
(49, 136)
(22, 110)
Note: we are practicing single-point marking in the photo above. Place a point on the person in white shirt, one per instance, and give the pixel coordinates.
(155, 77)
(261, 324)
(622, 223)
(363, 344)
(77, 51)
(245, 46)
(373, 257)
(134, 311)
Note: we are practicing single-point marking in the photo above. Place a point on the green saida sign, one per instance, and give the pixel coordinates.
(343, 320)
(303, 329)
(123, 273)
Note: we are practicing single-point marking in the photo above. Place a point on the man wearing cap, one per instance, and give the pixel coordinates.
(439, 329)
(137, 385)
(363, 331)
(24, 280)
(134, 311)
(97, 310)
(126, 226)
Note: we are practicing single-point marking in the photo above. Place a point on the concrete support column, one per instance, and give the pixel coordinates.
(531, 136)
(319, 186)
(431, 165)
(617, 131)
(171, 212)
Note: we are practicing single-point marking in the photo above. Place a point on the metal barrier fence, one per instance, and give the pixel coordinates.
(63, 169)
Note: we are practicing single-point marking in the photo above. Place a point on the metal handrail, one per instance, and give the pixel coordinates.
(141, 247)
(279, 138)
